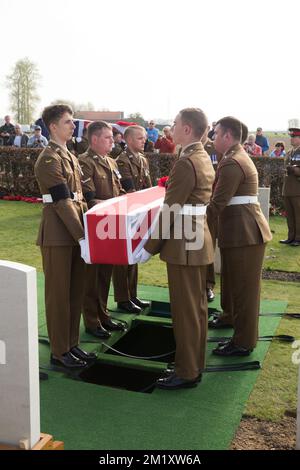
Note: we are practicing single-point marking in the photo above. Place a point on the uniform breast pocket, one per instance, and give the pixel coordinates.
(101, 184)
(67, 170)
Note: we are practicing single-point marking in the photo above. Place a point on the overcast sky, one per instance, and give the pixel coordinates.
(228, 57)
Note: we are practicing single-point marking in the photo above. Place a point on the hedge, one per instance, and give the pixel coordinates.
(17, 171)
(17, 174)
(270, 173)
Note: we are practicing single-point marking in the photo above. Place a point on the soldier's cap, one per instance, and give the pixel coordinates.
(294, 127)
(37, 128)
(259, 129)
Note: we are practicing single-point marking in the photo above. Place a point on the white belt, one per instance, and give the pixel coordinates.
(236, 200)
(187, 209)
(47, 198)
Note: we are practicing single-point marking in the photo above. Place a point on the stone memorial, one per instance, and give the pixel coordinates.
(19, 363)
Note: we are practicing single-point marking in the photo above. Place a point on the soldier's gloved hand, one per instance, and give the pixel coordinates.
(143, 256)
(83, 250)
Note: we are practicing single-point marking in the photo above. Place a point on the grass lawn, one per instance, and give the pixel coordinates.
(281, 257)
(275, 390)
(19, 222)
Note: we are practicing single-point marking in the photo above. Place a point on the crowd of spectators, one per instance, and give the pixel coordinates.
(157, 141)
(13, 135)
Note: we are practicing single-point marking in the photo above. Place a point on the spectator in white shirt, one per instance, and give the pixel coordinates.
(19, 139)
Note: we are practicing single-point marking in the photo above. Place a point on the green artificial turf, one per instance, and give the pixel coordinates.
(274, 393)
(88, 416)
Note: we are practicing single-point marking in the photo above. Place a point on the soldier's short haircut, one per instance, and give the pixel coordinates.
(195, 118)
(96, 127)
(53, 113)
(237, 128)
(131, 129)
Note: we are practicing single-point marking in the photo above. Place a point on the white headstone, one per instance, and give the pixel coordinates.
(19, 364)
(264, 200)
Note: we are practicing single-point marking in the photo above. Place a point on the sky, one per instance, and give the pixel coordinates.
(227, 57)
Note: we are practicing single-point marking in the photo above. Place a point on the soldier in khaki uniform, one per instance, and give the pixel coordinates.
(188, 192)
(291, 186)
(134, 169)
(82, 146)
(61, 230)
(100, 181)
(242, 234)
(210, 273)
(118, 144)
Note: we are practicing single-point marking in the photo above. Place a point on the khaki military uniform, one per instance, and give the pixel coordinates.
(291, 193)
(135, 176)
(242, 235)
(116, 151)
(210, 271)
(71, 145)
(100, 181)
(82, 146)
(61, 228)
(134, 170)
(190, 184)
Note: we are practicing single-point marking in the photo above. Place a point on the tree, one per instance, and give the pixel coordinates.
(76, 107)
(22, 84)
(138, 118)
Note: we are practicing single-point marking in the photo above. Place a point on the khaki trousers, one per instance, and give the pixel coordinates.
(210, 276)
(64, 282)
(210, 268)
(292, 206)
(97, 284)
(125, 282)
(187, 286)
(240, 291)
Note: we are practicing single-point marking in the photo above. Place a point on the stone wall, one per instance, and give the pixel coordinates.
(17, 176)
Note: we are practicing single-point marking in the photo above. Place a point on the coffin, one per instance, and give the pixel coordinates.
(117, 229)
